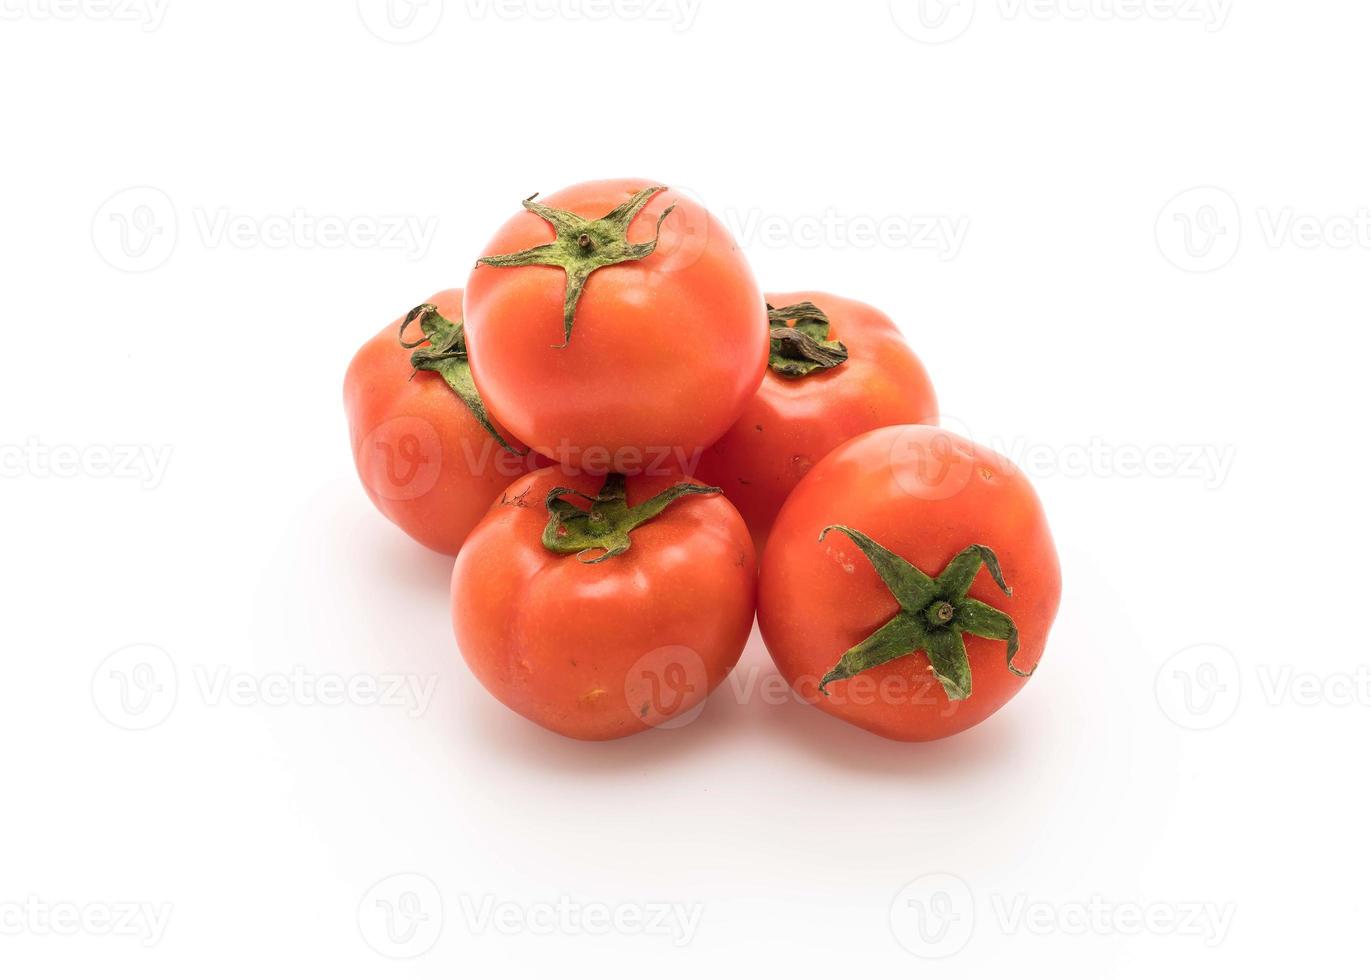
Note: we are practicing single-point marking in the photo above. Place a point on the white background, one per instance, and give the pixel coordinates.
(1180, 790)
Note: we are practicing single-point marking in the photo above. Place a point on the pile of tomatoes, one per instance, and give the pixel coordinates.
(631, 451)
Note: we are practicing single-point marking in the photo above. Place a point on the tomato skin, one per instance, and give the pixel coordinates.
(664, 353)
(424, 460)
(792, 423)
(590, 651)
(925, 494)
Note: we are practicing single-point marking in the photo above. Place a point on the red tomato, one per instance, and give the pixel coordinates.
(611, 633)
(895, 620)
(806, 409)
(647, 364)
(424, 458)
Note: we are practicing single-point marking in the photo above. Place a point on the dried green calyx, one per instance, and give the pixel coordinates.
(584, 245)
(934, 613)
(799, 341)
(446, 354)
(608, 522)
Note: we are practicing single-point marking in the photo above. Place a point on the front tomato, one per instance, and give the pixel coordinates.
(429, 457)
(838, 368)
(616, 326)
(909, 583)
(601, 607)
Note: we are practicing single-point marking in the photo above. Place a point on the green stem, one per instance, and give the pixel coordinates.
(934, 613)
(582, 246)
(607, 523)
(799, 341)
(443, 350)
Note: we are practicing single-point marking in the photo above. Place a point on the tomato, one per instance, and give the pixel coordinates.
(600, 607)
(838, 368)
(909, 583)
(616, 327)
(425, 458)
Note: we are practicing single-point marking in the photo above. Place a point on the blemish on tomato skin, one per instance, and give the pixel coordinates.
(846, 565)
(594, 694)
(987, 474)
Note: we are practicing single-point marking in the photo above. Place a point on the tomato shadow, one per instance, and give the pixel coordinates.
(812, 739)
(514, 740)
(510, 739)
(822, 740)
(405, 563)
(752, 713)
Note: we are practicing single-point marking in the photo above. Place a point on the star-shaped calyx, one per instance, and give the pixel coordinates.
(606, 525)
(934, 613)
(584, 245)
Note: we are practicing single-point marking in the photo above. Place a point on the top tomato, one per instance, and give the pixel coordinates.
(616, 327)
